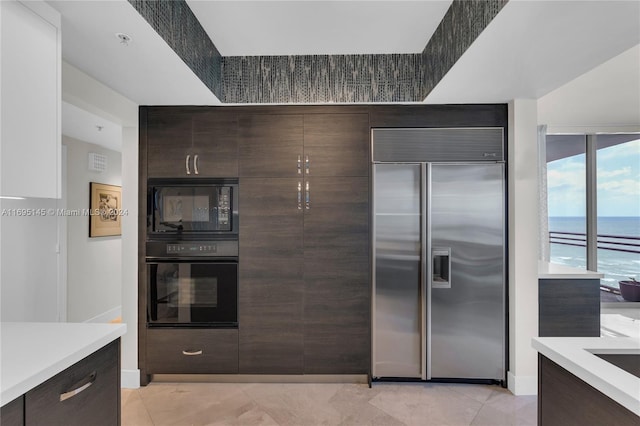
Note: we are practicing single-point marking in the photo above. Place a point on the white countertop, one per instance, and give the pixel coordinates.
(547, 270)
(34, 352)
(576, 355)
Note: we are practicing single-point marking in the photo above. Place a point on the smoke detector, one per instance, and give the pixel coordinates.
(124, 39)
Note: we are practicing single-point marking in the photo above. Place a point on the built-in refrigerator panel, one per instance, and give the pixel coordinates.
(466, 309)
(439, 253)
(397, 297)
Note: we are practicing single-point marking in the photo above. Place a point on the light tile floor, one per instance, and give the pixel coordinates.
(424, 404)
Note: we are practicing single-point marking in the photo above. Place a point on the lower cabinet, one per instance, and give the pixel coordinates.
(192, 351)
(87, 393)
(569, 307)
(12, 414)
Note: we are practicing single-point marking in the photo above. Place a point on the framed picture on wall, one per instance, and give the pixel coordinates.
(105, 210)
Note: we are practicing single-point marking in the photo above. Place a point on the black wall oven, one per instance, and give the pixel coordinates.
(192, 253)
(192, 284)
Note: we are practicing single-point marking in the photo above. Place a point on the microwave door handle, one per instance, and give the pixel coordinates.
(195, 164)
(186, 163)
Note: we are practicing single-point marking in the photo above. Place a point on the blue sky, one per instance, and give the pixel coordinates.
(618, 182)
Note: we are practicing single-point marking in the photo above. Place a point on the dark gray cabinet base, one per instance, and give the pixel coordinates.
(97, 404)
(12, 414)
(192, 351)
(569, 307)
(566, 400)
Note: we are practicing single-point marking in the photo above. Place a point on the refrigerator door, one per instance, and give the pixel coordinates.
(397, 325)
(466, 272)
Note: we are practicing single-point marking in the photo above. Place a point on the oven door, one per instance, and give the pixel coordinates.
(192, 294)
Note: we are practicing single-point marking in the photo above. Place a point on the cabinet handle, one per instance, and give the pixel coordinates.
(195, 164)
(186, 164)
(91, 377)
(299, 164)
(307, 197)
(192, 353)
(306, 164)
(299, 195)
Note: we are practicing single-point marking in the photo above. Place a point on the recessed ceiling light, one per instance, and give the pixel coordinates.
(124, 39)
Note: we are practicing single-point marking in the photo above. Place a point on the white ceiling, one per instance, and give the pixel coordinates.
(85, 126)
(246, 28)
(534, 47)
(147, 71)
(528, 50)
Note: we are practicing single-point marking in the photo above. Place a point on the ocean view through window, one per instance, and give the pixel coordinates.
(618, 204)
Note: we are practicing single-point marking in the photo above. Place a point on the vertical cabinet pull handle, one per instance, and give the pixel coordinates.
(307, 197)
(186, 164)
(90, 379)
(195, 164)
(192, 353)
(306, 164)
(299, 164)
(299, 195)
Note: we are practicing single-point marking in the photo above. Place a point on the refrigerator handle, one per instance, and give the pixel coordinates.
(441, 267)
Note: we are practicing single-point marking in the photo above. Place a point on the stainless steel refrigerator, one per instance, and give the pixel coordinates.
(439, 254)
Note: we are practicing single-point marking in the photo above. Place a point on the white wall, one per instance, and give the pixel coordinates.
(605, 99)
(85, 92)
(523, 246)
(93, 264)
(130, 372)
(29, 274)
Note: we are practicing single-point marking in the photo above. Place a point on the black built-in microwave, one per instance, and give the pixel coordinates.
(188, 209)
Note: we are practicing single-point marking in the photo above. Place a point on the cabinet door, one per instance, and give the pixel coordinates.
(271, 287)
(336, 275)
(87, 393)
(269, 145)
(215, 143)
(337, 144)
(12, 414)
(30, 103)
(168, 142)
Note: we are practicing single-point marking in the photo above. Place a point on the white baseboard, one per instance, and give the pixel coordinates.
(522, 385)
(130, 379)
(108, 316)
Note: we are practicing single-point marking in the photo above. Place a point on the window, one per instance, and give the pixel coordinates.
(593, 202)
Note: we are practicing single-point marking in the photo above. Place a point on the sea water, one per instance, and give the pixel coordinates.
(616, 265)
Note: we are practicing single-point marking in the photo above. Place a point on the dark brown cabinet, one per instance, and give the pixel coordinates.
(336, 277)
(87, 393)
(192, 351)
(271, 278)
(304, 244)
(270, 145)
(12, 414)
(191, 142)
(336, 144)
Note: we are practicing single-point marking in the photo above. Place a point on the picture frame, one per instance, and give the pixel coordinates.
(105, 210)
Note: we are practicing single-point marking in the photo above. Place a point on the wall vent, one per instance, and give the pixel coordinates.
(97, 162)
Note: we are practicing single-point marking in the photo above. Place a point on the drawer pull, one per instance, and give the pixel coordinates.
(192, 353)
(76, 391)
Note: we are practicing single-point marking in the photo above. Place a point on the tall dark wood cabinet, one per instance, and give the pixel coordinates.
(271, 280)
(336, 277)
(304, 244)
(336, 244)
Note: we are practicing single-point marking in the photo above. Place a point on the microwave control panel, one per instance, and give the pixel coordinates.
(224, 202)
